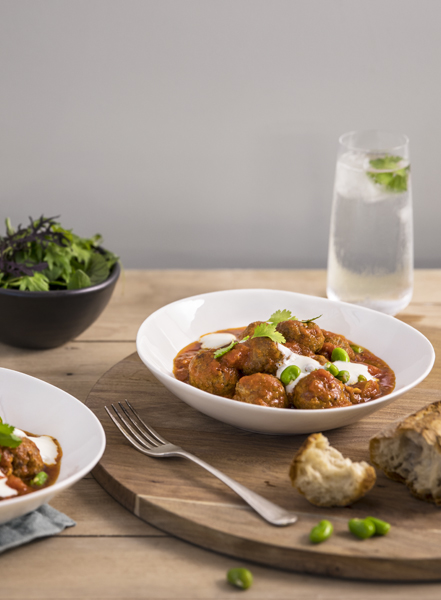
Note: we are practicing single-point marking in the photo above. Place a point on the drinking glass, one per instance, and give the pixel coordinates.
(370, 260)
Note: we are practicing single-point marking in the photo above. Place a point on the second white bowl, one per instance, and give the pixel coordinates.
(176, 325)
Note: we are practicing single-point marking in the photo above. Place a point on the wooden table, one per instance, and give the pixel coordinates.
(111, 553)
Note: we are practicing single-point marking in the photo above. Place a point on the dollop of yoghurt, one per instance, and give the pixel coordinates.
(308, 364)
(48, 448)
(305, 363)
(212, 341)
(5, 490)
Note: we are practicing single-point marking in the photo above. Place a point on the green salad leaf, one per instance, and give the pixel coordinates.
(7, 437)
(45, 256)
(79, 280)
(281, 315)
(269, 330)
(388, 176)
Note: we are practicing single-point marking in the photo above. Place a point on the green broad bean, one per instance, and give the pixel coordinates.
(356, 349)
(40, 479)
(381, 527)
(339, 354)
(321, 532)
(240, 578)
(344, 376)
(361, 528)
(290, 374)
(362, 378)
(333, 370)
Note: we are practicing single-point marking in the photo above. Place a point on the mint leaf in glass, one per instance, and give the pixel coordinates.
(388, 176)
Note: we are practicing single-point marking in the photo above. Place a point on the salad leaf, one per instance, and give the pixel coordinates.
(7, 437)
(79, 280)
(388, 176)
(45, 256)
(98, 269)
(37, 283)
(269, 330)
(281, 315)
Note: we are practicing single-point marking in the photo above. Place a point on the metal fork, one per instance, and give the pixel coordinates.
(145, 439)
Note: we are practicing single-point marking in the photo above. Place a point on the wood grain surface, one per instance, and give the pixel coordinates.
(112, 554)
(182, 499)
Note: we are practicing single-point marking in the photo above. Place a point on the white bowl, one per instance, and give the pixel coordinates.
(176, 325)
(33, 405)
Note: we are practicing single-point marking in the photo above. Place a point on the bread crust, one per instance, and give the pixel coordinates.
(425, 422)
(299, 460)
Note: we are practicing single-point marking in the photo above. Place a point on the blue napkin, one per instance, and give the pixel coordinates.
(40, 523)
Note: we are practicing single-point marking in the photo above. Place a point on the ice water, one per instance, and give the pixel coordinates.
(370, 258)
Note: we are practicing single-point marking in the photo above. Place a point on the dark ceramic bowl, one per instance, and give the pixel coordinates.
(49, 319)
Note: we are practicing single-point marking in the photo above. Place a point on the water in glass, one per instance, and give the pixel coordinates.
(370, 258)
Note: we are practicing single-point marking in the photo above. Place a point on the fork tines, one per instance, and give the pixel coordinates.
(132, 426)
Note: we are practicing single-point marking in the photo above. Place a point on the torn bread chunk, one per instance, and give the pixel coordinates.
(410, 452)
(325, 477)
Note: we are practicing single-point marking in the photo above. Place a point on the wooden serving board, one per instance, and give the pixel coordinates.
(182, 499)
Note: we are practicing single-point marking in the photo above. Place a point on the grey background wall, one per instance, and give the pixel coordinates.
(203, 133)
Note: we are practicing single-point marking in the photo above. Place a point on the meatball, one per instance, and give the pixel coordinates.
(319, 389)
(363, 391)
(248, 331)
(258, 355)
(181, 364)
(299, 349)
(23, 461)
(333, 340)
(261, 389)
(211, 375)
(307, 334)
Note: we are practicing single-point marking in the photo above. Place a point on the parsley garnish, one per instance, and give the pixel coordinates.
(7, 437)
(44, 256)
(221, 351)
(281, 315)
(391, 178)
(269, 330)
(313, 319)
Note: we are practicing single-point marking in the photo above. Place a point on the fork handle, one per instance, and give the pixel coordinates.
(267, 510)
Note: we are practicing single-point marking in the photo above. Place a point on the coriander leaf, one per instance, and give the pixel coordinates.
(7, 437)
(78, 281)
(268, 330)
(313, 319)
(37, 283)
(281, 315)
(97, 270)
(221, 351)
